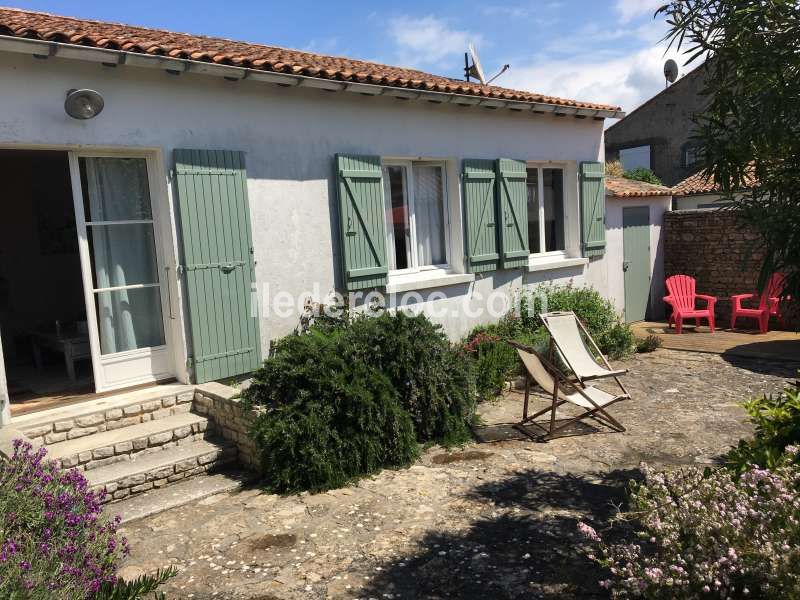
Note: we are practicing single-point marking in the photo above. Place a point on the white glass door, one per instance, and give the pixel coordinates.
(121, 273)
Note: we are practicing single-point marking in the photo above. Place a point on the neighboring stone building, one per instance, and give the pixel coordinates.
(656, 135)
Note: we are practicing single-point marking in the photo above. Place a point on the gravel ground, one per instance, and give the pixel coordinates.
(494, 520)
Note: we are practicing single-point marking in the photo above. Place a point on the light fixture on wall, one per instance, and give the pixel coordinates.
(83, 104)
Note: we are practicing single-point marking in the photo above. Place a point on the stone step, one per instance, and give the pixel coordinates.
(56, 425)
(183, 492)
(145, 471)
(101, 449)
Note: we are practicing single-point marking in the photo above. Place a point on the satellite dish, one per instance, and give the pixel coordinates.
(83, 104)
(476, 70)
(671, 70)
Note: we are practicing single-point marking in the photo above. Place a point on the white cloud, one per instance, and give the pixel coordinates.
(626, 81)
(631, 9)
(428, 41)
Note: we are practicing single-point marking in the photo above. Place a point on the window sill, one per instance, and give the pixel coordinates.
(558, 263)
(426, 279)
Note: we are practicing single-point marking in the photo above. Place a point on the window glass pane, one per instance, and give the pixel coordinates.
(533, 211)
(635, 158)
(397, 218)
(429, 215)
(122, 254)
(115, 189)
(553, 210)
(129, 319)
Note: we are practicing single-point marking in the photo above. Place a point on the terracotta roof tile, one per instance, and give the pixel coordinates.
(702, 183)
(619, 187)
(98, 34)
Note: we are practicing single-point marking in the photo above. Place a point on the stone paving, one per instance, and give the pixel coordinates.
(489, 521)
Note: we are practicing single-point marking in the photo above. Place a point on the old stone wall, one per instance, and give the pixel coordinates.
(222, 404)
(717, 250)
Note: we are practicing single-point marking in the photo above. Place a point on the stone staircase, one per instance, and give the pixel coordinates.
(134, 443)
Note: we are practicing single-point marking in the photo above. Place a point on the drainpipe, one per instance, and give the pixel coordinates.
(5, 411)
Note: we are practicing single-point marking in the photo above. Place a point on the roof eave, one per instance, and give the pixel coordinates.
(110, 57)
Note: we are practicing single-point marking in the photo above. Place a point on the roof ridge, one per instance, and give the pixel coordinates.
(140, 39)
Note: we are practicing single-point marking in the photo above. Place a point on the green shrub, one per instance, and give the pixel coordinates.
(492, 359)
(342, 401)
(613, 337)
(649, 344)
(777, 425)
(642, 174)
(432, 380)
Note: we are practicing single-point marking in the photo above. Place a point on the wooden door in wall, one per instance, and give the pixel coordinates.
(636, 261)
(123, 278)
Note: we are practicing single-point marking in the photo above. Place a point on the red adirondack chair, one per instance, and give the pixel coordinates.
(682, 298)
(769, 304)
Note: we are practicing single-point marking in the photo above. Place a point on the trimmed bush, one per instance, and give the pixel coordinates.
(348, 399)
(695, 534)
(55, 543)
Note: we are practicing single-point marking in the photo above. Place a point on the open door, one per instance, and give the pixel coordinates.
(122, 269)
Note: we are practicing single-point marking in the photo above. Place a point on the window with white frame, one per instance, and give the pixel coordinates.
(416, 215)
(546, 210)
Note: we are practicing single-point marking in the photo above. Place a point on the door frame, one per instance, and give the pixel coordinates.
(643, 208)
(165, 239)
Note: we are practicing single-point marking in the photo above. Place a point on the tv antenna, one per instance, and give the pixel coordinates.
(670, 72)
(475, 69)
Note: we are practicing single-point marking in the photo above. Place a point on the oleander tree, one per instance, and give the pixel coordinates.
(750, 130)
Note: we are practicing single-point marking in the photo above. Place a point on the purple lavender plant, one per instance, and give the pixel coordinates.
(54, 542)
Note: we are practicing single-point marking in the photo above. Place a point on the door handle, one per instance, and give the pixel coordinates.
(227, 268)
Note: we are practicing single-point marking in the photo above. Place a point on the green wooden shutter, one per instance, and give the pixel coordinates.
(593, 208)
(480, 215)
(513, 202)
(362, 221)
(218, 266)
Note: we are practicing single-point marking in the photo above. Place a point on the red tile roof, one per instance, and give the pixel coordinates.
(619, 187)
(128, 38)
(702, 183)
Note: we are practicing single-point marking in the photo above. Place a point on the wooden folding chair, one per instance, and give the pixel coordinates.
(563, 389)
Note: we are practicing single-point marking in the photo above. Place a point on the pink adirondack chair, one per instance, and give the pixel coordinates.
(682, 298)
(769, 304)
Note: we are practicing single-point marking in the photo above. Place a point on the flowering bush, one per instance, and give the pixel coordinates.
(708, 535)
(53, 541)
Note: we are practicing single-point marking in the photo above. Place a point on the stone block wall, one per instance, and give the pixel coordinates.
(223, 406)
(713, 247)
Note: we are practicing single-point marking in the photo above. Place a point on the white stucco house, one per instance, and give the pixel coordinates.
(221, 175)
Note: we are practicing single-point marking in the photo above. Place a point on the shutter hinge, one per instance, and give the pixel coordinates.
(171, 175)
(179, 270)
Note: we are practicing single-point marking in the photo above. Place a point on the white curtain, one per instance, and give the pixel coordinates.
(123, 254)
(429, 215)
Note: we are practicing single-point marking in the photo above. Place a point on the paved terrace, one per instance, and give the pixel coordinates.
(492, 520)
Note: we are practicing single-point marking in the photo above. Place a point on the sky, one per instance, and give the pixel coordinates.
(601, 51)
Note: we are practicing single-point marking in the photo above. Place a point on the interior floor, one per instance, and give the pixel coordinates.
(42, 307)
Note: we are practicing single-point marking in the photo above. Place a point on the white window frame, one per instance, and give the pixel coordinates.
(408, 181)
(540, 167)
